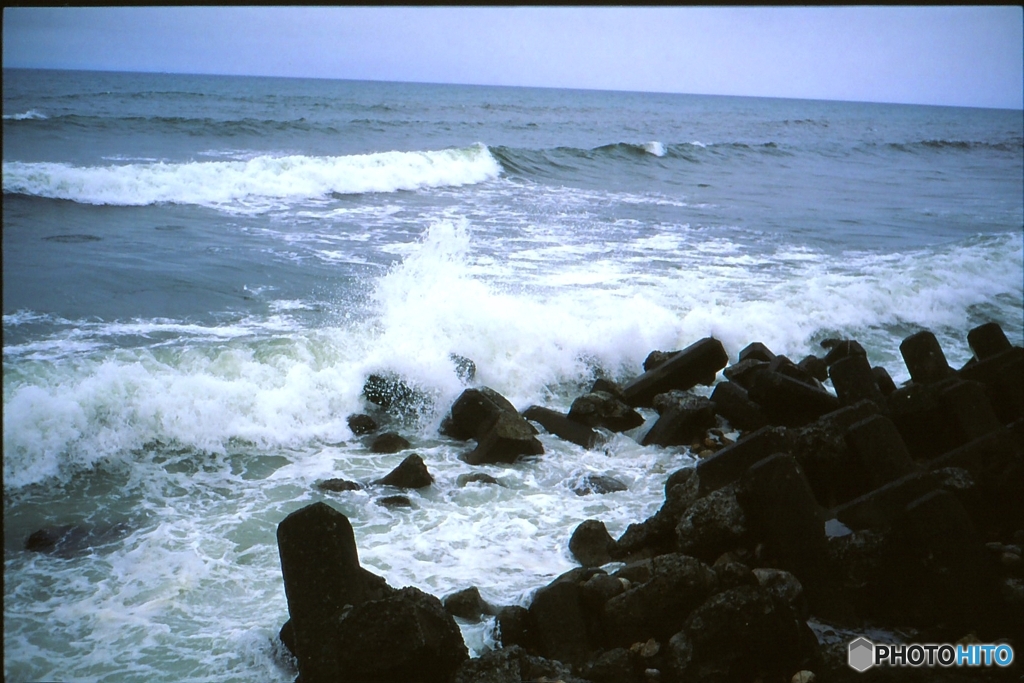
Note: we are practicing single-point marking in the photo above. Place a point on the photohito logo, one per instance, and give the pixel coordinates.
(863, 654)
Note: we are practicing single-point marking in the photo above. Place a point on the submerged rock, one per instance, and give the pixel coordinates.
(69, 540)
(362, 424)
(411, 473)
(338, 485)
(389, 442)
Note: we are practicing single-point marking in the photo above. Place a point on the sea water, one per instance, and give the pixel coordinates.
(200, 272)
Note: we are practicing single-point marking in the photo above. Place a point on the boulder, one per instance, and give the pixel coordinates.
(513, 664)
(656, 535)
(513, 627)
(854, 381)
(757, 351)
(465, 369)
(728, 464)
(601, 409)
(656, 358)
(841, 348)
(987, 340)
(789, 402)
(597, 483)
(783, 586)
(696, 364)
(393, 502)
(712, 525)
(784, 366)
(389, 391)
(405, 637)
(559, 626)
(474, 412)
(658, 607)
(743, 373)
(881, 455)
(508, 438)
(389, 442)
(924, 358)
(883, 380)
(683, 419)
(69, 540)
(732, 402)
(362, 424)
(338, 485)
(476, 478)
(411, 473)
(561, 426)
(591, 544)
(815, 367)
(467, 604)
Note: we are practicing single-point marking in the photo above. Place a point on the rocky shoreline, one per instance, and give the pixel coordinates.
(874, 507)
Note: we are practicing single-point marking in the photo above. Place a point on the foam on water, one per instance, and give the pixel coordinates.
(30, 115)
(254, 185)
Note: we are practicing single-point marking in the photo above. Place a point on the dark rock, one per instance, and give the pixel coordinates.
(784, 366)
(513, 627)
(757, 351)
(691, 366)
(405, 637)
(968, 409)
(467, 604)
(789, 402)
(390, 391)
(474, 412)
(559, 627)
(924, 358)
(922, 421)
(362, 424)
(732, 402)
(658, 607)
(411, 473)
(883, 380)
(841, 348)
(733, 574)
(1003, 377)
(785, 587)
(392, 502)
(779, 505)
(815, 367)
(591, 544)
(684, 419)
(656, 358)
(513, 665)
(465, 369)
(728, 464)
(612, 666)
(854, 381)
(987, 340)
(476, 477)
(597, 590)
(596, 483)
(881, 454)
(656, 535)
(320, 565)
(742, 634)
(509, 438)
(680, 476)
(601, 409)
(877, 509)
(712, 525)
(338, 485)
(287, 636)
(69, 540)
(743, 373)
(608, 386)
(389, 442)
(561, 426)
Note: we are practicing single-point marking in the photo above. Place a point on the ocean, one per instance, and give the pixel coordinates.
(200, 272)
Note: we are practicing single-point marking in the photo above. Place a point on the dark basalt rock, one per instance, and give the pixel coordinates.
(841, 348)
(987, 340)
(476, 478)
(696, 364)
(509, 438)
(362, 424)
(474, 412)
(599, 484)
(815, 367)
(656, 358)
(656, 535)
(756, 351)
(608, 386)
(601, 409)
(411, 473)
(743, 373)
(558, 622)
(854, 381)
(392, 502)
(728, 464)
(712, 525)
(69, 540)
(591, 544)
(785, 587)
(338, 485)
(467, 604)
(389, 442)
(732, 402)
(513, 664)
(883, 380)
(562, 427)
(405, 637)
(924, 358)
(789, 402)
(684, 419)
(389, 391)
(513, 627)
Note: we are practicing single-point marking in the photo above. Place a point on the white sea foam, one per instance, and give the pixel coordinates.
(30, 115)
(257, 184)
(654, 147)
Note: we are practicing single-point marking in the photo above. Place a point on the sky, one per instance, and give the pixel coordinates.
(959, 56)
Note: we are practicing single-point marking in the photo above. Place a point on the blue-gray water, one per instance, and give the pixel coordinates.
(199, 273)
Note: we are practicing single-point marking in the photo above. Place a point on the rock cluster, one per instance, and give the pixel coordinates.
(882, 505)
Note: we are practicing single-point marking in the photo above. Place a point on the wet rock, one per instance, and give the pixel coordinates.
(608, 386)
(405, 637)
(785, 587)
(696, 364)
(338, 485)
(591, 544)
(612, 666)
(508, 438)
(683, 418)
(601, 409)
(1003, 378)
(743, 373)
(467, 604)
(476, 478)
(784, 366)
(728, 464)
(987, 340)
(559, 626)
(390, 391)
(69, 540)
(411, 473)
(389, 442)
(732, 402)
(733, 574)
(841, 348)
(919, 416)
(361, 424)
(881, 454)
(474, 412)
(741, 634)
(924, 358)
(513, 627)
(656, 358)
(465, 369)
(561, 426)
(883, 381)
(658, 607)
(656, 535)
(513, 664)
(854, 381)
(878, 509)
(815, 367)
(789, 402)
(757, 351)
(392, 502)
(712, 525)
(597, 483)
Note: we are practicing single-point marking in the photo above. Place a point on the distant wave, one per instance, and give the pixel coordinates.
(1013, 144)
(30, 115)
(256, 184)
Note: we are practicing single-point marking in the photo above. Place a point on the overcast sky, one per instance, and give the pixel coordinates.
(966, 56)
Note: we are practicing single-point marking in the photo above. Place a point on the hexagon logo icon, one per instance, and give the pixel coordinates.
(862, 655)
